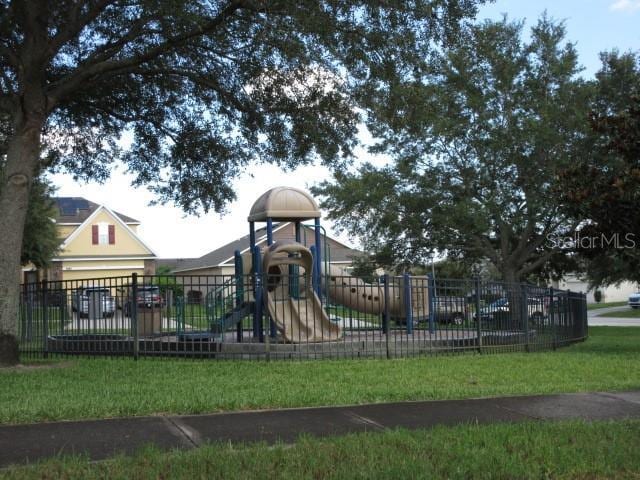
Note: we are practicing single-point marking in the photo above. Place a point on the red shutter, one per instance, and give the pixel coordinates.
(112, 234)
(94, 234)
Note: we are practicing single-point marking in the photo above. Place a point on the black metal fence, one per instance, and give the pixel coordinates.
(285, 316)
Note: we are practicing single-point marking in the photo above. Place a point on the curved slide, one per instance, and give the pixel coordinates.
(299, 317)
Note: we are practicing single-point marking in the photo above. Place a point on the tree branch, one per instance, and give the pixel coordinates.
(85, 72)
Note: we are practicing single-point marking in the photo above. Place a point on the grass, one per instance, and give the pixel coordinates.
(597, 306)
(571, 450)
(98, 388)
(630, 313)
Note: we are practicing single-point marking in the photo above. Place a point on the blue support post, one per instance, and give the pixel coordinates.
(252, 236)
(258, 331)
(269, 231)
(294, 271)
(432, 303)
(314, 268)
(239, 296)
(385, 313)
(408, 311)
(318, 257)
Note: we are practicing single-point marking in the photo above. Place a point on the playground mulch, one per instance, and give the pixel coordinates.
(100, 439)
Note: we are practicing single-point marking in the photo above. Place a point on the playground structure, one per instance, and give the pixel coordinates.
(286, 299)
(297, 279)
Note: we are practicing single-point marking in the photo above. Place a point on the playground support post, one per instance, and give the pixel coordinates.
(258, 331)
(239, 296)
(407, 303)
(318, 255)
(252, 236)
(269, 231)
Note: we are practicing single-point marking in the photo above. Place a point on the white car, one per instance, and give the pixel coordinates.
(634, 300)
(80, 302)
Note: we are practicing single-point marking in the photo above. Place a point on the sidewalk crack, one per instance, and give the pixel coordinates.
(192, 437)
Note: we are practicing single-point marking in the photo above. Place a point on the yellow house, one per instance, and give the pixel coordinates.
(96, 243)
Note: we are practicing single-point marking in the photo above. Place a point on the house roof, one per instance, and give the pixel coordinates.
(117, 218)
(76, 210)
(224, 254)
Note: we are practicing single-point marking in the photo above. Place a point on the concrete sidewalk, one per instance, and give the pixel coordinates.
(100, 439)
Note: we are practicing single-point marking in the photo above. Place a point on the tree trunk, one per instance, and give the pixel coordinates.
(16, 177)
(517, 314)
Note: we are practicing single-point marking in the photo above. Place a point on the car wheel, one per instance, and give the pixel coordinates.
(635, 307)
(457, 318)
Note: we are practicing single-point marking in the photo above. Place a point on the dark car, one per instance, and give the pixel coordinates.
(500, 310)
(149, 296)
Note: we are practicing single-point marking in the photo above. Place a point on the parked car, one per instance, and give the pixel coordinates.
(634, 300)
(148, 297)
(82, 296)
(450, 310)
(537, 308)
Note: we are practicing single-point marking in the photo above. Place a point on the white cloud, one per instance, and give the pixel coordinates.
(625, 5)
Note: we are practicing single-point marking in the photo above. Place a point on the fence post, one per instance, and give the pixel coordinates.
(478, 317)
(385, 318)
(134, 315)
(525, 315)
(408, 312)
(552, 320)
(432, 302)
(45, 318)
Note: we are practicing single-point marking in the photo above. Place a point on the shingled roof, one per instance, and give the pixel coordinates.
(224, 254)
(76, 210)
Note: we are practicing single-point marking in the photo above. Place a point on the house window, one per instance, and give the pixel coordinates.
(103, 234)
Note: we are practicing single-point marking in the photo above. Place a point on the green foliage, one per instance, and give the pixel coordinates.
(478, 140)
(167, 281)
(205, 88)
(603, 188)
(364, 267)
(40, 242)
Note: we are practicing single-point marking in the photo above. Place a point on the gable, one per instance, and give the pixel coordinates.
(81, 242)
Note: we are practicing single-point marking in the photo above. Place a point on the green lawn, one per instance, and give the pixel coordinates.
(528, 450)
(630, 313)
(597, 306)
(97, 388)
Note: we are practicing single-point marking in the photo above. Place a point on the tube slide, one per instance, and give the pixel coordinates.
(354, 293)
(295, 309)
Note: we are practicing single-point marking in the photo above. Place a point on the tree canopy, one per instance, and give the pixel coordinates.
(203, 89)
(478, 142)
(602, 190)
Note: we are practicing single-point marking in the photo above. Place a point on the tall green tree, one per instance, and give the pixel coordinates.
(40, 242)
(602, 190)
(478, 142)
(205, 88)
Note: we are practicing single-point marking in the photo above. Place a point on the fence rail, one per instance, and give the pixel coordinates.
(280, 316)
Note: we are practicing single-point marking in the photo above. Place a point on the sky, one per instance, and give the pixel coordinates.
(594, 25)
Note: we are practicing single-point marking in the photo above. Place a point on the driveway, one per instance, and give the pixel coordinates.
(596, 320)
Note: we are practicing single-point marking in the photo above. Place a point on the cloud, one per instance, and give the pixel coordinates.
(625, 5)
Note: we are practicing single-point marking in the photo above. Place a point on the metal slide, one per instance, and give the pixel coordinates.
(292, 304)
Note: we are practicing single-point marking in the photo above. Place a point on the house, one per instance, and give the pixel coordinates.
(96, 243)
(611, 293)
(221, 260)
